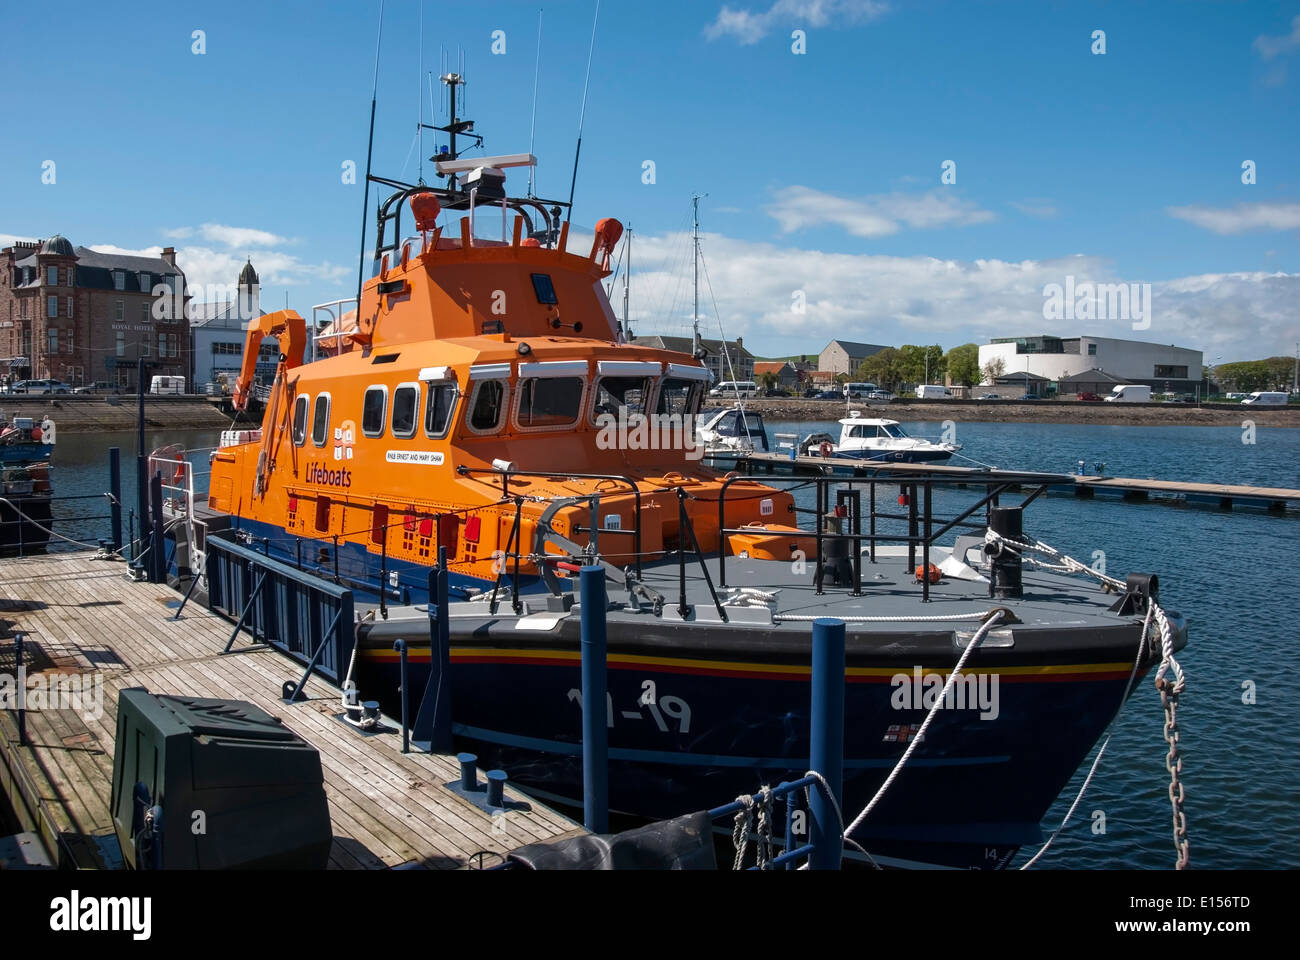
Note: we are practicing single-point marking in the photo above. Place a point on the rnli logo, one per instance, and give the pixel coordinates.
(344, 436)
(320, 473)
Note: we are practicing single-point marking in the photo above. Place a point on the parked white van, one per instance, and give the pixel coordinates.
(735, 388)
(1130, 393)
(931, 391)
(167, 385)
(1265, 397)
(858, 391)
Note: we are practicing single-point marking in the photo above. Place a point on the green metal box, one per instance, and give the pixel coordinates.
(215, 784)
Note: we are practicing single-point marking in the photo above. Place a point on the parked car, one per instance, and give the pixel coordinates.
(776, 392)
(1028, 396)
(990, 396)
(1089, 397)
(830, 395)
(880, 395)
(100, 386)
(41, 386)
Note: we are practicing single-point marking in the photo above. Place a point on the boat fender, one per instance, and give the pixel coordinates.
(935, 575)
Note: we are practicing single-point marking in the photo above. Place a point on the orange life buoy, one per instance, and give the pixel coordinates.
(825, 449)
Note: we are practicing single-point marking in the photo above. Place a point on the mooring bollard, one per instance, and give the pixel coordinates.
(468, 771)
(826, 749)
(496, 786)
(400, 646)
(595, 733)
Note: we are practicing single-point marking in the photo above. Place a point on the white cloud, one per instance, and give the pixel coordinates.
(796, 208)
(895, 300)
(205, 267)
(749, 27)
(1033, 207)
(117, 251)
(1242, 217)
(242, 237)
(9, 239)
(1270, 47)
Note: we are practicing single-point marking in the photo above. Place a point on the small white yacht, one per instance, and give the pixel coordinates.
(733, 432)
(872, 439)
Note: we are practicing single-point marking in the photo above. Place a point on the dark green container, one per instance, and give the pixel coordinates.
(201, 784)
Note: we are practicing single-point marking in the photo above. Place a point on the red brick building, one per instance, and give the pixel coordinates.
(75, 315)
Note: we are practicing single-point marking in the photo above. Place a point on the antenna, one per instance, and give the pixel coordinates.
(532, 131)
(419, 95)
(370, 147)
(573, 183)
(627, 274)
(695, 266)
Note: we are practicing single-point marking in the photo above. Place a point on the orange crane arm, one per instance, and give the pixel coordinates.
(287, 327)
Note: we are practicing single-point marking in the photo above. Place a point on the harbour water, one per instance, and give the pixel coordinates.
(1230, 574)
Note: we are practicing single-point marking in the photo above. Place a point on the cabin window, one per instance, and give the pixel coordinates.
(549, 401)
(487, 405)
(438, 407)
(615, 393)
(300, 419)
(544, 288)
(373, 410)
(679, 397)
(320, 420)
(406, 406)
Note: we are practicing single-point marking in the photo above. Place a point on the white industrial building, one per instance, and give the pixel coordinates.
(217, 332)
(1163, 367)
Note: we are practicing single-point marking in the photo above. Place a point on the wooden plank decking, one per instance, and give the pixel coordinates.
(81, 615)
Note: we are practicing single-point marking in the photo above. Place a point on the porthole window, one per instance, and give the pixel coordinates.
(487, 405)
(406, 407)
(320, 420)
(373, 409)
(438, 408)
(300, 419)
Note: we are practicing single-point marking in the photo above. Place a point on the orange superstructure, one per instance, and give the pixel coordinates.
(478, 378)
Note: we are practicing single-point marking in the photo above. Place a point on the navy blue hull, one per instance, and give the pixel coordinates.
(971, 795)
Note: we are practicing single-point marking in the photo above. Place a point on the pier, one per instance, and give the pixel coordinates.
(1217, 495)
(82, 616)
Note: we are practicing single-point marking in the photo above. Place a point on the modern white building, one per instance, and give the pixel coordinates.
(1160, 366)
(217, 333)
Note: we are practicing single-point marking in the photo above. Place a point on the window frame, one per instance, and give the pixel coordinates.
(433, 387)
(649, 389)
(315, 420)
(383, 415)
(415, 412)
(501, 410)
(298, 431)
(52, 307)
(518, 399)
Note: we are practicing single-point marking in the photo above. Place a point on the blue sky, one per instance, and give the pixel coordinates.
(822, 169)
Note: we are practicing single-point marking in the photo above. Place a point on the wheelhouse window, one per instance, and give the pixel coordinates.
(300, 419)
(549, 402)
(406, 406)
(487, 404)
(438, 407)
(615, 393)
(678, 396)
(544, 288)
(320, 420)
(373, 409)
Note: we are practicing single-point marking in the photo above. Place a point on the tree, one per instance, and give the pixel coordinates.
(993, 369)
(769, 380)
(881, 368)
(964, 364)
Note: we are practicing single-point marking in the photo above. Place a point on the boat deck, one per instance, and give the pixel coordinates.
(81, 615)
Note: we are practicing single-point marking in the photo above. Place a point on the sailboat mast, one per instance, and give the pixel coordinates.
(695, 266)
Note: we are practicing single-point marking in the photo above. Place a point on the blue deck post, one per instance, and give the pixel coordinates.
(115, 493)
(595, 733)
(400, 646)
(433, 718)
(826, 754)
(158, 551)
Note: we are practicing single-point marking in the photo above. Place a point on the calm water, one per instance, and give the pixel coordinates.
(1230, 574)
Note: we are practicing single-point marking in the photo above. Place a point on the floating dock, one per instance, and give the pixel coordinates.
(1217, 495)
(82, 616)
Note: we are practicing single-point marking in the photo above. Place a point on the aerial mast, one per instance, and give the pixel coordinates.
(695, 266)
(627, 273)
